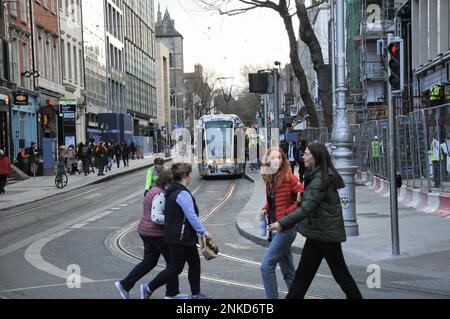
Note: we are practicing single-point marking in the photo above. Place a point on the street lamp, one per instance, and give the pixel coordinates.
(341, 137)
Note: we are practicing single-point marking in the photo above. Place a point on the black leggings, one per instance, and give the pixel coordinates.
(179, 255)
(312, 255)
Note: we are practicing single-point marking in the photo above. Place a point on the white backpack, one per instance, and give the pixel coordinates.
(158, 203)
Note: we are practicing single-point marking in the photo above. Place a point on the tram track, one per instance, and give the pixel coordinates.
(208, 213)
(203, 217)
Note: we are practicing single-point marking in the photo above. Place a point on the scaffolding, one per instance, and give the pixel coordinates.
(368, 21)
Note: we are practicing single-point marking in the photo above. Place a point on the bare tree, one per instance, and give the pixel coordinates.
(201, 89)
(307, 35)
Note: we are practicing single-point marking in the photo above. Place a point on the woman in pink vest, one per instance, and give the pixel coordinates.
(151, 230)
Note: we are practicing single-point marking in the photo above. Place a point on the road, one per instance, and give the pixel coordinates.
(93, 232)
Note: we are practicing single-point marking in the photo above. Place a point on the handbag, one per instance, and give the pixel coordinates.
(209, 250)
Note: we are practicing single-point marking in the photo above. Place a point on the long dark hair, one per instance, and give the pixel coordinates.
(323, 160)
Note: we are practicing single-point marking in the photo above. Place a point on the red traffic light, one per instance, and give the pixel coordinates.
(393, 49)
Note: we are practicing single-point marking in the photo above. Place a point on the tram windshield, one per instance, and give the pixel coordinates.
(219, 140)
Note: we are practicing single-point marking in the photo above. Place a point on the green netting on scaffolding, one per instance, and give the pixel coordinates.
(353, 18)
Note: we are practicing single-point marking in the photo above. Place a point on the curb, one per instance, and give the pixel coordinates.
(437, 204)
(101, 180)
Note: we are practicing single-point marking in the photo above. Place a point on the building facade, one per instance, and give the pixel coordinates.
(115, 56)
(95, 76)
(163, 87)
(140, 65)
(171, 38)
(47, 59)
(6, 85)
(430, 44)
(24, 107)
(72, 69)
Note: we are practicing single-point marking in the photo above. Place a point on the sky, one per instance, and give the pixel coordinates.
(224, 44)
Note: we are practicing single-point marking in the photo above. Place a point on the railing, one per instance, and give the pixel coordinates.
(414, 137)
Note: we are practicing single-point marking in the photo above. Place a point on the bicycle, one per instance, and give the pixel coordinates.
(61, 178)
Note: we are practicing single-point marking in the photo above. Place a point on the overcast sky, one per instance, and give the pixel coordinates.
(223, 43)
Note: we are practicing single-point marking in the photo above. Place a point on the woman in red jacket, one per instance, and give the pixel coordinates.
(282, 188)
(5, 165)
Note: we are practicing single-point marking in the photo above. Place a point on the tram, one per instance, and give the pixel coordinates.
(222, 144)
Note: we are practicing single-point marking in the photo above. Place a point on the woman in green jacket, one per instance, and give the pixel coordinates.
(320, 220)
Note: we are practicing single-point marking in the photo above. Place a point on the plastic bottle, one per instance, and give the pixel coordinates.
(263, 227)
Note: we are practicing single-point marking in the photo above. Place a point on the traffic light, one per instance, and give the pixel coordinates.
(396, 65)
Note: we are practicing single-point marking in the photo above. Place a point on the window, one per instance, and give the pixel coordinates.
(80, 54)
(72, 9)
(13, 9)
(56, 75)
(69, 61)
(75, 64)
(23, 11)
(48, 59)
(15, 62)
(40, 53)
(63, 59)
(25, 64)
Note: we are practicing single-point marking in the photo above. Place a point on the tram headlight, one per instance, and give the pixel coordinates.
(228, 161)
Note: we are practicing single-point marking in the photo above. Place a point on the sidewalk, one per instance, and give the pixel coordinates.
(424, 238)
(31, 190)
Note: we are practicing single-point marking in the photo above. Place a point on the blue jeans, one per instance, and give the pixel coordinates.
(279, 251)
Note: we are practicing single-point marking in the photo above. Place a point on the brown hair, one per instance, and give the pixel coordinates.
(180, 171)
(273, 179)
(165, 177)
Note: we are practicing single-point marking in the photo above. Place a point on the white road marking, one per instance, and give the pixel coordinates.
(34, 257)
(27, 241)
(93, 196)
(53, 285)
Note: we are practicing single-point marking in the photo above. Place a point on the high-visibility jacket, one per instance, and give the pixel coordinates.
(152, 176)
(375, 148)
(441, 153)
(435, 92)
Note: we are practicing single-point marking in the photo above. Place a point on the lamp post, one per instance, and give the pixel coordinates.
(341, 138)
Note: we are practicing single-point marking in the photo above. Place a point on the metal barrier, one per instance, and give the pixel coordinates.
(416, 132)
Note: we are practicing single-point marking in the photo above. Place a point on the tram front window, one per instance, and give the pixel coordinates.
(219, 140)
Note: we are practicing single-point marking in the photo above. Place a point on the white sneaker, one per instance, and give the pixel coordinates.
(179, 296)
(144, 292)
(123, 292)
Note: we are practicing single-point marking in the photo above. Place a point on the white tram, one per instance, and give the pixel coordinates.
(222, 145)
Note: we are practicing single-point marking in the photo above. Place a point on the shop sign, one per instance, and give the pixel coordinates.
(20, 99)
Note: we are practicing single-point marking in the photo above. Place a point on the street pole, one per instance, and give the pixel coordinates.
(333, 59)
(393, 171)
(341, 138)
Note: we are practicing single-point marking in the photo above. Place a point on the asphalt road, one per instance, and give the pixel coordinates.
(91, 232)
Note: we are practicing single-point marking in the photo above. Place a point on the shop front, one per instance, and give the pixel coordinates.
(24, 120)
(49, 132)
